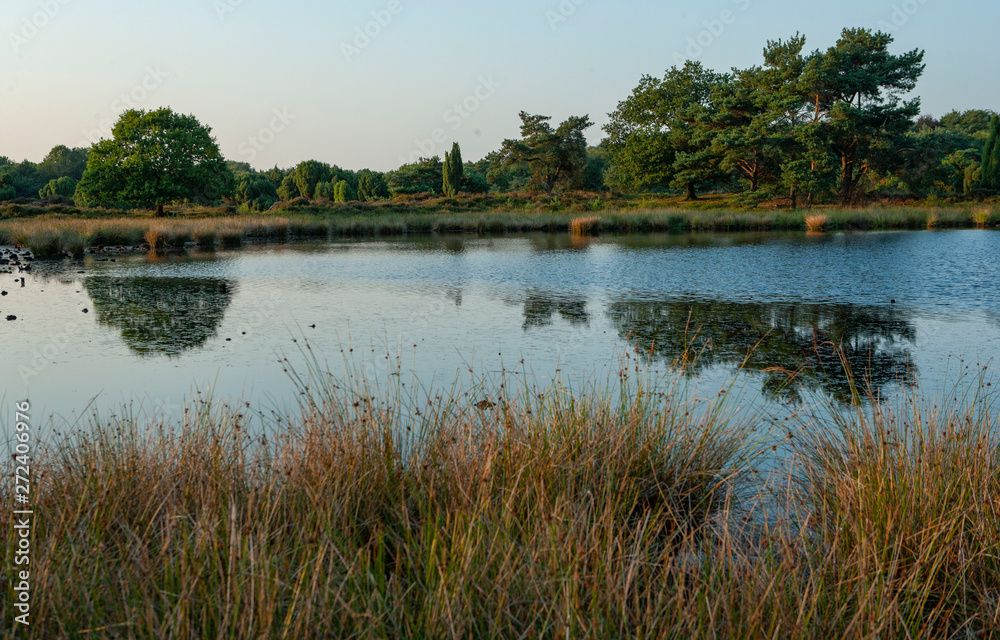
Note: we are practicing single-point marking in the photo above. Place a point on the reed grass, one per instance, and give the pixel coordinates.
(347, 221)
(817, 222)
(505, 510)
(584, 226)
(981, 216)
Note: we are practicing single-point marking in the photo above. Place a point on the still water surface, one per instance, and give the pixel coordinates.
(905, 305)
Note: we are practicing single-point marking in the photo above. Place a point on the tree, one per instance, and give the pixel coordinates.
(24, 178)
(310, 173)
(656, 136)
(344, 192)
(65, 186)
(154, 158)
(255, 191)
(288, 189)
(422, 176)
(989, 177)
(372, 185)
(853, 90)
(62, 162)
(454, 171)
(7, 190)
(555, 156)
(972, 122)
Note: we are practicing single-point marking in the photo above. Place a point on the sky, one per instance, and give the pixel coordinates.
(376, 83)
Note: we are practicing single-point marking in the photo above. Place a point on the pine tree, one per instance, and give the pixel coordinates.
(454, 171)
(990, 172)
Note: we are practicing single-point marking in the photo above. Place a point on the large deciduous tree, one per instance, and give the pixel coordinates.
(154, 158)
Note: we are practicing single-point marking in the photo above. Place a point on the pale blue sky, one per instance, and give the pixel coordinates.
(236, 64)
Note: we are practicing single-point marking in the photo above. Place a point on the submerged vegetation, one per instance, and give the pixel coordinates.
(512, 511)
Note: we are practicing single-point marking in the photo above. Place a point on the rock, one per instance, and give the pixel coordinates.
(86, 310)
(11, 318)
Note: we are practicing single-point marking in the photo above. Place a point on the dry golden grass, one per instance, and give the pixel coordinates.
(584, 226)
(817, 222)
(933, 219)
(377, 513)
(981, 215)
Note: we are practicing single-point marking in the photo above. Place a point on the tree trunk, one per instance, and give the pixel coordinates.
(795, 199)
(159, 211)
(691, 195)
(846, 182)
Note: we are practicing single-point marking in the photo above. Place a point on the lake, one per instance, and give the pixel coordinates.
(153, 331)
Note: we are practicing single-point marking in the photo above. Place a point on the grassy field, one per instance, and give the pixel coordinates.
(384, 513)
(58, 230)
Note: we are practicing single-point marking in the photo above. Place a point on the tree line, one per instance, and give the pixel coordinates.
(807, 127)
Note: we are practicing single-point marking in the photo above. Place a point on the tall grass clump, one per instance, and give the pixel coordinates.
(156, 238)
(584, 226)
(900, 505)
(981, 216)
(540, 513)
(817, 222)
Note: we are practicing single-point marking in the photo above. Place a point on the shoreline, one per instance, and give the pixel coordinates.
(54, 234)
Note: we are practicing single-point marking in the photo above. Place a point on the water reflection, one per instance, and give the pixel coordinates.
(793, 345)
(161, 316)
(540, 308)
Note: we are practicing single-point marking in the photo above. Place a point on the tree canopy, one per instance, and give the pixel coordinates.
(556, 157)
(154, 157)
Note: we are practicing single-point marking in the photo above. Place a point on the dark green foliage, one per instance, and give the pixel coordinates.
(308, 174)
(853, 91)
(935, 161)
(972, 122)
(372, 186)
(155, 157)
(325, 190)
(555, 157)
(422, 176)
(255, 191)
(63, 162)
(275, 175)
(24, 178)
(989, 178)
(801, 123)
(454, 170)
(65, 186)
(288, 189)
(654, 137)
(238, 168)
(474, 181)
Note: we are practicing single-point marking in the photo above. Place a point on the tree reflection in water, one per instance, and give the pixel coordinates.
(795, 346)
(161, 316)
(540, 307)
